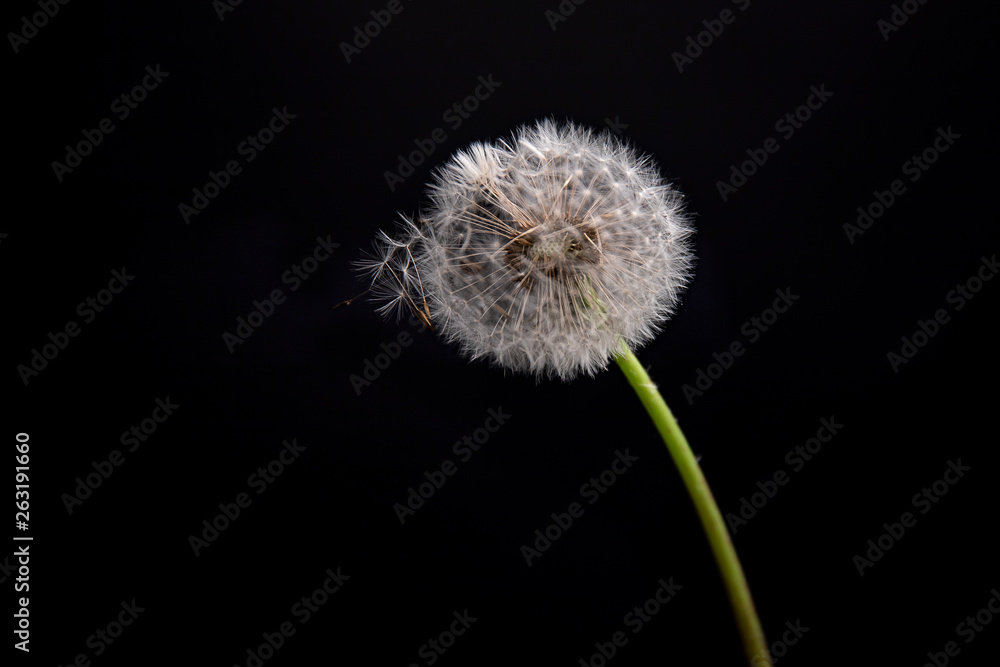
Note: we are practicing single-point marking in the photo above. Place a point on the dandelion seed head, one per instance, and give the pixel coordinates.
(539, 251)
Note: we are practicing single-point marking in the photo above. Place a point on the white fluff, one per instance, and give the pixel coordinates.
(540, 251)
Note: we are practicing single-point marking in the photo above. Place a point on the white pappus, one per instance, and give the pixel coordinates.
(539, 251)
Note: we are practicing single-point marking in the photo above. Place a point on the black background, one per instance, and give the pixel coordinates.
(324, 176)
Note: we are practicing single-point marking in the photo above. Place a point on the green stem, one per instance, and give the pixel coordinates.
(754, 645)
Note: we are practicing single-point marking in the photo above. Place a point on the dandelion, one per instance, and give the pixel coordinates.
(541, 252)
(552, 253)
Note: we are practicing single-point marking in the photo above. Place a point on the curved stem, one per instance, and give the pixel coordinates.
(754, 645)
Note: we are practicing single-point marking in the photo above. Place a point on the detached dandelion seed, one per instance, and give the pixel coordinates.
(552, 253)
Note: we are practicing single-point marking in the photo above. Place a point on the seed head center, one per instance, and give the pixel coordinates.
(550, 246)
